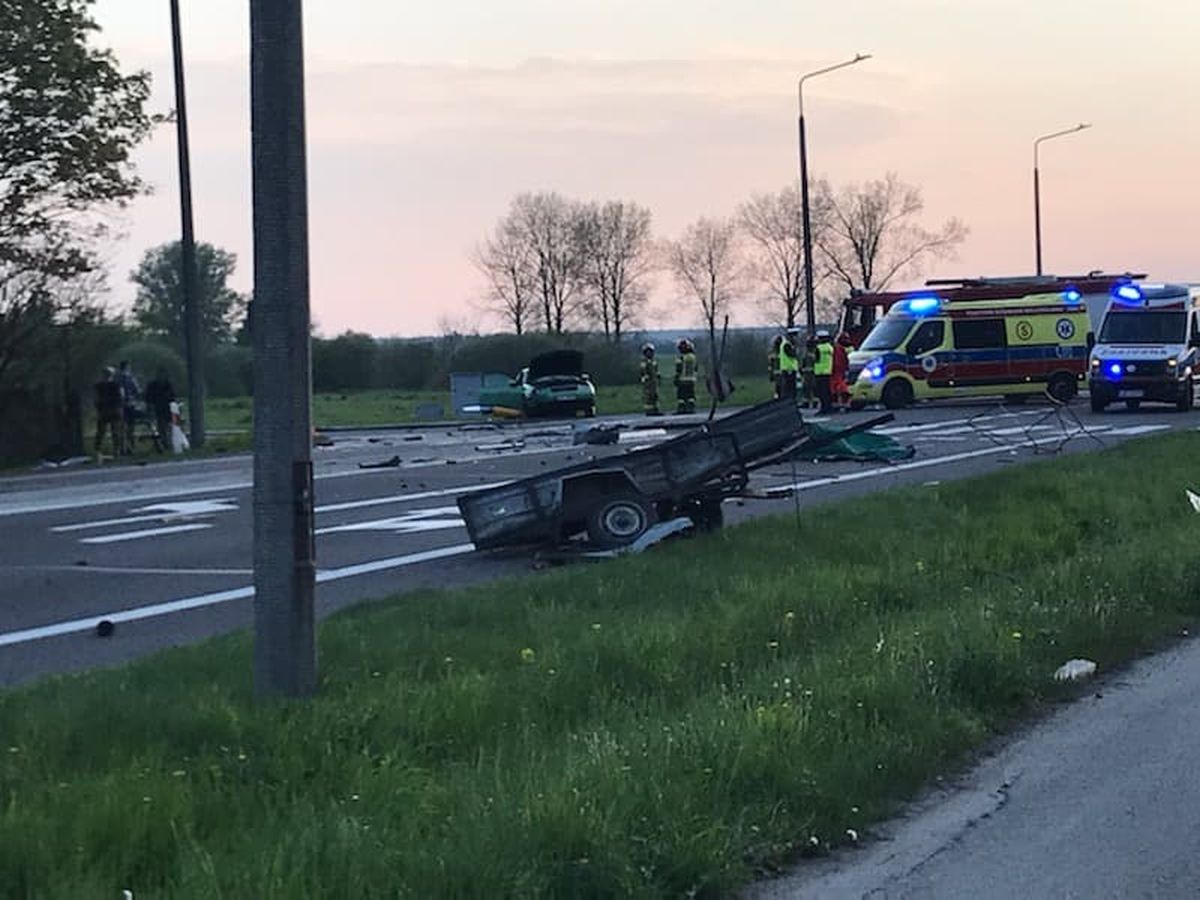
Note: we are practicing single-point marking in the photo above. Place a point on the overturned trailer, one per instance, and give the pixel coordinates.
(611, 502)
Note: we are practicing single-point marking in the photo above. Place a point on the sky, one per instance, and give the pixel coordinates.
(425, 119)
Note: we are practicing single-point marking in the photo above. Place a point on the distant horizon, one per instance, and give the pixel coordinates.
(425, 122)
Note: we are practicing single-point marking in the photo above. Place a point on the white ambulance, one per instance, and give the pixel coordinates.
(1148, 347)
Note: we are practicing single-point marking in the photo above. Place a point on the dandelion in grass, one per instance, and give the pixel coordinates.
(1016, 635)
(527, 654)
(595, 626)
(772, 645)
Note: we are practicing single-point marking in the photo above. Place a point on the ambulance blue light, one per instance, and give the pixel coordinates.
(921, 305)
(1128, 292)
(1071, 295)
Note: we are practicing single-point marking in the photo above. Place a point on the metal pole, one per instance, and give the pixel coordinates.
(193, 323)
(1037, 214)
(810, 315)
(809, 306)
(1037, 192)
(285, 660)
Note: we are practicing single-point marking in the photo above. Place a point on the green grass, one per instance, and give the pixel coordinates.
(658, 726)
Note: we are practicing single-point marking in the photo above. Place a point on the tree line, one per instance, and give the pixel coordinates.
(555, 264)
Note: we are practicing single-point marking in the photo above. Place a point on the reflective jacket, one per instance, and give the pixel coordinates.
(685, 368)
(823, 365)
(788, 361)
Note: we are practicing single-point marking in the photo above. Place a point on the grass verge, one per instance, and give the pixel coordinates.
(662, 725)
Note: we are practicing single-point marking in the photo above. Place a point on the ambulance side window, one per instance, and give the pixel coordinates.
(928, 337)
(979, 334)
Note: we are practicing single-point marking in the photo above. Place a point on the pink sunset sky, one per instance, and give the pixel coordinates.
(424, 119)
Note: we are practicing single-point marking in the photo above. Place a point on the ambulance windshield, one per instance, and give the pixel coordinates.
(888, 334)
(1144, 327)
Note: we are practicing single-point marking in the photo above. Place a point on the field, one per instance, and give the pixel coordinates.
(382, 407)
(664, 725)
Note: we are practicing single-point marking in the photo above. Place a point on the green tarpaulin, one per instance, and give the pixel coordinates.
(864, 446)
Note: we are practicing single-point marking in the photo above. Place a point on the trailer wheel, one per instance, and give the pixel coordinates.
(619, 519)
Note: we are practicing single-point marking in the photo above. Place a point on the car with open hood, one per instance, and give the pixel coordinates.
(552, 384)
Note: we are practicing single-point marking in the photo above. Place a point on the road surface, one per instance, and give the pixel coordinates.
(164, 550)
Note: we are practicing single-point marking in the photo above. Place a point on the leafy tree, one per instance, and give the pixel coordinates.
(870, 234)
(69, 122)
(158, 307)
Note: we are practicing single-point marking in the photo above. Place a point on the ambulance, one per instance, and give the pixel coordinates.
(1147, 347)
(927, 347)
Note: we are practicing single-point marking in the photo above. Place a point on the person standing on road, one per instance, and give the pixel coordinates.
(159, 397)
(823, 371)
(807, 361)
(685, 378)
(789, 365)
(108, 410)
(131, 392)
(649, 378)
(840, 387)
(773, 364)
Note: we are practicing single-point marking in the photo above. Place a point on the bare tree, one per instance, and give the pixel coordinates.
(547, 223)
(775, 227)
(871, 235)
(506, 261)
(616, 259)
(706, 264)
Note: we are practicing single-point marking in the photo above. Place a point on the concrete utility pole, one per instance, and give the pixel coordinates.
(193, 327)
(285, 657)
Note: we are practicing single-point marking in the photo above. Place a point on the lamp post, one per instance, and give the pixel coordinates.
(809, 311)
(1037, 196)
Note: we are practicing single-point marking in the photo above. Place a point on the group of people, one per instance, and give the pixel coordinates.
(819, 369)
(685, 379)
(119, 398)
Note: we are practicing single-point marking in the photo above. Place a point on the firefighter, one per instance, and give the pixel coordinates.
(773, 364)
(823, 371)
(685, 378)
(649, 378)
(789, 365)
(839, 384)
(807, 360)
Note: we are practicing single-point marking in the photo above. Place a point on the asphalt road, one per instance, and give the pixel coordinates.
(164, 550)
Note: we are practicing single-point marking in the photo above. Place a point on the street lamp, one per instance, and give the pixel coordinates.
(809, 312)
(1037, 199)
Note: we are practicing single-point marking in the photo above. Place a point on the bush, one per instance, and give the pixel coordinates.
(229, 371)
(346, 362)
(406, 365)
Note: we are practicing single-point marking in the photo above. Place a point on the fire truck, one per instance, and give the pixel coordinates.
(862, 310)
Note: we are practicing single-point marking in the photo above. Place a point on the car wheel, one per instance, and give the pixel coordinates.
(1062, 388)
(619, 519)
(897, 394)
(1133, 405)
(1098, 403)
(1188, 398)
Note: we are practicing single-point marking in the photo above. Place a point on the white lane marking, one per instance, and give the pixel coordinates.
(188, 603)
(161, 513)
(408, 523)
(122, 570)
(901, 430)
(1130, 430)
(144, 533)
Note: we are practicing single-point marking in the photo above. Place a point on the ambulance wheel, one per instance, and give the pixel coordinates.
(1188, 398)
(897, 394)
(1062, 388)
(1133, 405)
(619, 520)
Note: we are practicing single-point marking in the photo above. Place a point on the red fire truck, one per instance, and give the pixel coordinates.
(861, 311)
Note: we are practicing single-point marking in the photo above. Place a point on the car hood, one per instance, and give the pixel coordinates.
(1140, 351)
(557, 363)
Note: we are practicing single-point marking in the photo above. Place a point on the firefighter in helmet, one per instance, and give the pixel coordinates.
(685, 378)
(649, 379)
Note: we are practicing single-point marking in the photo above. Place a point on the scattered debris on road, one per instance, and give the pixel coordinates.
(105, 628)
(393, 463)
(500, 446)
(1193, 498)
